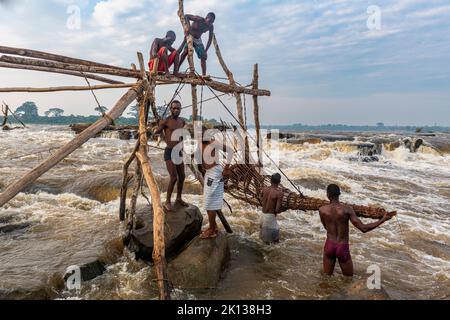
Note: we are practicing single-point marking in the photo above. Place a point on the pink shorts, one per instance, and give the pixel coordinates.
(333, 250)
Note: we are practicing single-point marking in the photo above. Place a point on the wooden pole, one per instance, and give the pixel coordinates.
(230, 77)
(12, 190)
(159, 247)
(53, 57)
(69, 88)
(65, 72)
(70, 67)
(14, 115)
(5, 115)
(190, 57)
(38, 65)
(125, 180)
(256, 112)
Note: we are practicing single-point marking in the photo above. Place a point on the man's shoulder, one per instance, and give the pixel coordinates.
(324, 207)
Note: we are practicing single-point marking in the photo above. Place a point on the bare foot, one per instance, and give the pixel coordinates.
(182, 203)
(168, 207)
(209, 234)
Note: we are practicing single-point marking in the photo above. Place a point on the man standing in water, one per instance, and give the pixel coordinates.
(271, 199)
(335, 217)
(176, 171)
(160, 50)
(198, 27)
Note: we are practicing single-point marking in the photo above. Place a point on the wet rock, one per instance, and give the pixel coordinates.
(125, 135)
(201, 264)
(13, 227)
(358, 290)
(182, 225)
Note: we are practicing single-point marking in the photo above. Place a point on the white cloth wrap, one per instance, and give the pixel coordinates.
(213, 194)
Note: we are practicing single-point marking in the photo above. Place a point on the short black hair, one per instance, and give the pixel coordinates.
(276, 178)
(333, 191)
(212, 15)
(173, 102)
(171, 34)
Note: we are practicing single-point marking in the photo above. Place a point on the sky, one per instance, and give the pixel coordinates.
(350, 62)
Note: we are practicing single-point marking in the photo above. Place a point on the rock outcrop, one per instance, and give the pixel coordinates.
(182, 225)
(201, 264)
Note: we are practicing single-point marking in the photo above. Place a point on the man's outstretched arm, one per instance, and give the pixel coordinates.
(365, 227)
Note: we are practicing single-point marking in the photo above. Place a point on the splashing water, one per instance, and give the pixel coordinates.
(70, 216)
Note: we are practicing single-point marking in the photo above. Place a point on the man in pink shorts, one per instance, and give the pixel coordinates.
(335, 217)
(160, 50)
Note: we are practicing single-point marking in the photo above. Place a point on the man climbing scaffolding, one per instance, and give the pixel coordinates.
(160, 51)
(198, 27)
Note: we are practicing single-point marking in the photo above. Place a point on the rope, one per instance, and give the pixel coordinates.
(100, 109)
(240, 124)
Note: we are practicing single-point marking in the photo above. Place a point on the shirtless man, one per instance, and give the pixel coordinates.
(335, 217)
(214, 182)
(160, 49)
(271, 199)
(176, 172)
(198, 27)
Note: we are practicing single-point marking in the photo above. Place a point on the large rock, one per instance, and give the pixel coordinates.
(358, 290)
(201, 264)
(181, 226)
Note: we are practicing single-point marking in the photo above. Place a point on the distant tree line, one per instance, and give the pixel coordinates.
(28, 112)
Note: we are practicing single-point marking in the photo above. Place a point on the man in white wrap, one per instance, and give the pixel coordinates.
(216, 171)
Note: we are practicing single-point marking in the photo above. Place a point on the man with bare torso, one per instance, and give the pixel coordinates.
(176, 171)
(198, 27)
(271, 199)
(160, 50)
(335, 217)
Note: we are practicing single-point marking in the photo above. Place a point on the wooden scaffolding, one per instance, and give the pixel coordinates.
(143, 90)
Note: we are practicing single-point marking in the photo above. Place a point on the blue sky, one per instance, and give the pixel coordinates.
(319, 58)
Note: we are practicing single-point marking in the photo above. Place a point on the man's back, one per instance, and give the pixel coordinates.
(271, 200)
(335, 218)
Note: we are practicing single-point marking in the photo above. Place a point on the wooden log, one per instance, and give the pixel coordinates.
(70, 67)
(161, 79)
(65, 72)
(14, 115)
(12, 190)
(68, 88)
(53, 57)
(256, 112)
(159, 247)
(189, 40)
(125, 181)
(136, 188)
(5, 110)
(230, 77)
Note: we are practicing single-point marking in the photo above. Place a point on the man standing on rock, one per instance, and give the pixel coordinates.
(198, 27)
(271, 199)
(176, 171)
(335, 217)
